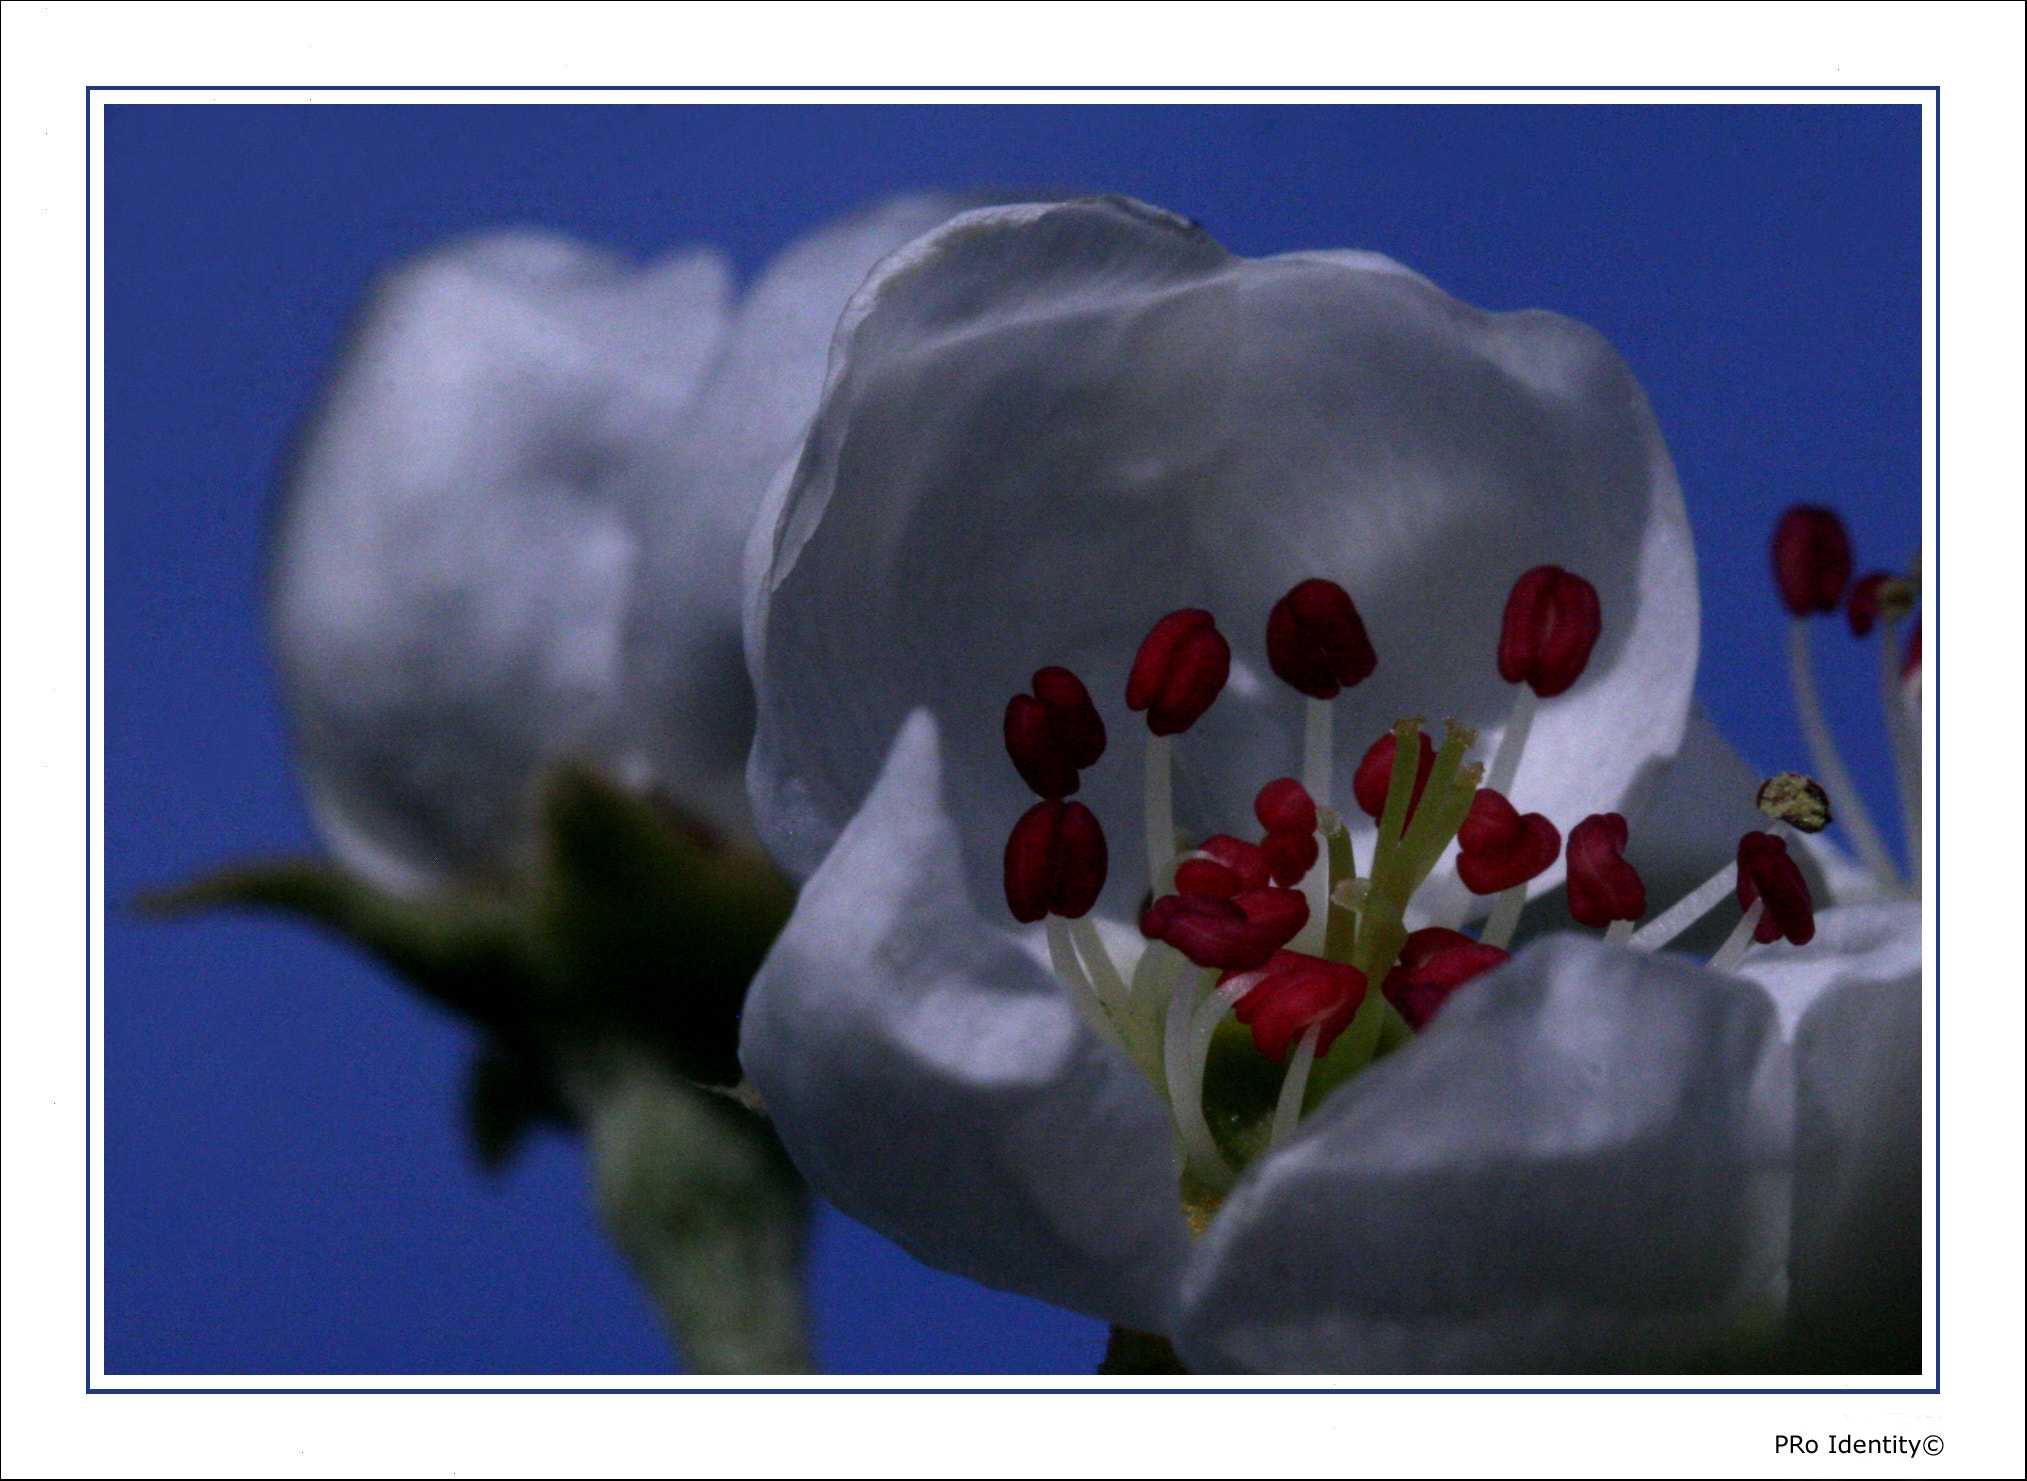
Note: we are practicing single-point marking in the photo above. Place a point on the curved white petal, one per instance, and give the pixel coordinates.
(454, 556)
(1049, 425)
(1851, 1000)
(936, 1083)
(696, 494)
(1581, 1166)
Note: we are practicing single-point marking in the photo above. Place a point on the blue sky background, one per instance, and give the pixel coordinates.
(287, 1189)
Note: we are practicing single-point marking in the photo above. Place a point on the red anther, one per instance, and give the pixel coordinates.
(1603, 887)
(1054, 733)
(1316, 641)
(1498, 848)
(1283, 911)
(1055, 861)
(1284, 806)
(1376, 774)
(1181, 667)
(1293, 993)
(1432, 965)
(1861, 607)
(1228, 934)
(1207, 877)
(1245, 859)
(1812, 559)
(1551, 624)
(1289, 855)
(1765, 871)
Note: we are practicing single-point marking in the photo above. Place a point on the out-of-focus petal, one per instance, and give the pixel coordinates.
(697, 492)
(454, 557)
(1050, 425)
(932, 1080)
(1581, 1165)
(1851, 1000)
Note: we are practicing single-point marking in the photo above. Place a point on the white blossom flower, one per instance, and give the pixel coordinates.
(512, 534)
(1045, 427)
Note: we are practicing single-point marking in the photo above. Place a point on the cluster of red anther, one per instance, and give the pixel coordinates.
(1603, 887)
(1767, 872)
(1055, 858)
(1232, 908)
(1552, 622)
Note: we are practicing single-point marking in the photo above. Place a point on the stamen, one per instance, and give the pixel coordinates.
(1316, 641)
(1604, 890)
(1685, 912)
(1797, 800)
(1295, 993)
(1285, 806)
(1181, 667)
(1726, 958)
(1766, 872)
(1500, 849)
(1829, 761)
(1434, 963)
(1105, 979)
(1317, 745)
(1063, 958)
(1247, 860)
(1903, 731)
(1551, 624)
(1290, 856)
(1055, 861)
(1234, 934)
(1875, 596)
(1812, 559)
(1053, 733)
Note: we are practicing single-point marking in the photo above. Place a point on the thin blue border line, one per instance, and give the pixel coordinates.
(1930, 882)
(1031, 87)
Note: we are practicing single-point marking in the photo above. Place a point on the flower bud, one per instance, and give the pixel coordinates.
(1551, 625)
(1765, 871)
(1376, 772)
(1812, 559)
(1435, 962)
(1055, 861)
(1053, 733)
(1603, 887)
(1181, 667)
(1316, 641)
(1294, 993)
(1498, 848)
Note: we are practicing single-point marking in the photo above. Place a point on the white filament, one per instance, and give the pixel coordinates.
(1294, 1085)
(1316, 751)
(1160, 817)
(1845, 802)
(1513, 740)
(1727, 955)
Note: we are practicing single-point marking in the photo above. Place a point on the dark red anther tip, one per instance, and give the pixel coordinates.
(1207, 877)
(1316, 641)
(1228, 933)
(1289, 855)
(1603, 887)
(1498, 848)
(1812, 559)
(1767, 872)
(1285, 806)
(1181, 667)
(1435, 962)
(1053, 733)
(1247, 860)
(1376, 774)
(1055, 861)
(1552, 623)
(1295, 992)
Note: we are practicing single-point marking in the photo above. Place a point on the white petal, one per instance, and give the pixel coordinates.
(454, 557)
(1851, 999)
(697, 493)
(935, 1083)
(1050, 425)
(1582, 1165)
